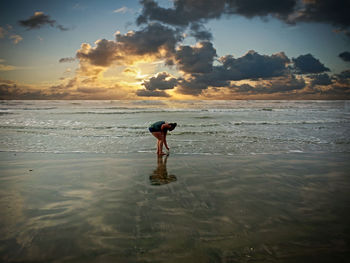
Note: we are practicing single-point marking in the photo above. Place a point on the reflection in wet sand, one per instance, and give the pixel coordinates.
(101, 208)
(160, 175)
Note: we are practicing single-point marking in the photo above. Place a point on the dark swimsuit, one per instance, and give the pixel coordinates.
(156, 127)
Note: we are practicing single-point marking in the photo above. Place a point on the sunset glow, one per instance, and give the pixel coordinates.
(174, 50)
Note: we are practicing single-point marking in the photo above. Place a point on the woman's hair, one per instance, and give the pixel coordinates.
(172, 125)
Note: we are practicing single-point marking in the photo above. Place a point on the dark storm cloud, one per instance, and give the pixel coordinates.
(345, 56)
(253, 65)
(251, 8)
(321, 80)
(198, 59)
(306, 64)
(335, 12)
(162, 81)
(282, 84)
(149, 40)
(38, 20)
(185, 12)
(250, 66)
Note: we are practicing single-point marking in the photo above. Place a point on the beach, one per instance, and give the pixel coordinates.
(245, 181)
(191, 208)
(175, 131)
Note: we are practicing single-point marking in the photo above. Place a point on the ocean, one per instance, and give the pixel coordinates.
(204, 127)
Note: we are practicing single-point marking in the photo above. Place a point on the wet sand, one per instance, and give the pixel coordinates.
(188, 208)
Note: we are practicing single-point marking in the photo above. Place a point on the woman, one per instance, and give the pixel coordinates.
(159, 130)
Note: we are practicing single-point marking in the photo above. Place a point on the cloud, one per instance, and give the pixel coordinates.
(104, 54)
(151, 93)
(150, 40)
(7, 67)
(10, 90)
(38, 20)
(16, 38)
(161, 38)
(62, 28)
(253, 65)
(196, 59)
(250, 66)
(305, 64)
(4, 67)
(321, 80)
(68, 59)
(162, 81)
(343, 92)
(283, 84)
(343, 77)
(130, 72)
(155, 86)
(252, 8)
(272, 73)
(199, 32)
(185, 12)
(123, 10)
(10, 35)
(345, 56)
(336, 86)
(325, 11)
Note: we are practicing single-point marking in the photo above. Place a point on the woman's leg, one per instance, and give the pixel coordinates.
(159, 137)
(160, 146)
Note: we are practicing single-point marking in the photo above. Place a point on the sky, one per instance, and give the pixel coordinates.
(174, 49)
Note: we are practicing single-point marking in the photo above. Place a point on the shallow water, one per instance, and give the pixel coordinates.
(184, 208)
(204, 127)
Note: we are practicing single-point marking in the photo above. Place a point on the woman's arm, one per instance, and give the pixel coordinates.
(164, 132)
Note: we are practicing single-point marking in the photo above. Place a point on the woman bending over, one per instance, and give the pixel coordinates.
(159, 130)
